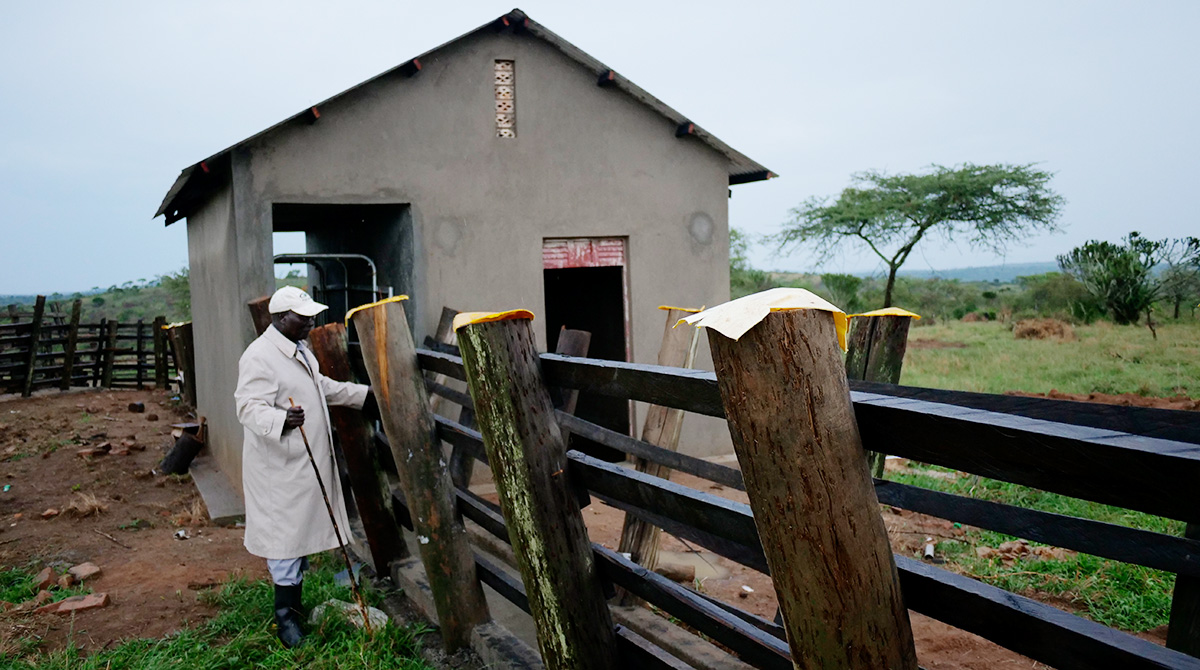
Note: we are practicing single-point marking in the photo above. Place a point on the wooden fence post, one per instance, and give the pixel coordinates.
(161, 379)
(875, 353)
(260, 315)
(663, 424)
(528, 458)
(110, 354)
(372, 493)
(784, 389)
(391, 361)
(185, 360)
(140, 349)
(35, 334)
(1183, 630)
(71, 345)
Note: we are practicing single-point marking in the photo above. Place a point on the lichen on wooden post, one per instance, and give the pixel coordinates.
(784, 390)
(70, 346)
(875, 353)
(390, 357)
(528, 458)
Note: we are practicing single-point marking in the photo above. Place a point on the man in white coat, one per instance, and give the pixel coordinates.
(286, 517)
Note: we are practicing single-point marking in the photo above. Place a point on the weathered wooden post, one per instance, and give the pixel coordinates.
(372, 493)
(260, 313)
(678, 349)
(185, 360)
(528, 458)
(1183, 630)
(35, 334)
(110, 354)
(70, 346)
(783, 385)
(391, 361)
(875, 353)
(160, 352)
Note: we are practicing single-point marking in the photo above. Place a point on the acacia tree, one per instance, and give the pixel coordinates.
(1123, 278)
(986, 206)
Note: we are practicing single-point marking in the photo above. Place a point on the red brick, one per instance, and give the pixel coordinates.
(44, 579)
(66, 581)
(85, 571)
(81, 603)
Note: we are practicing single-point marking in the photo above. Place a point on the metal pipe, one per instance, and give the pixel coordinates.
(304, 258)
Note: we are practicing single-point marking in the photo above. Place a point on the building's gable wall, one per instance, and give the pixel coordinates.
(587, 161)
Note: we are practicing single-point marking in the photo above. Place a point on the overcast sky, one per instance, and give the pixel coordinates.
(104, 103)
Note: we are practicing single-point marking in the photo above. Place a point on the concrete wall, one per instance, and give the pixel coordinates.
(587, 161)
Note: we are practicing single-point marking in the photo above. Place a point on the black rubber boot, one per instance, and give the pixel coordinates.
(288, 614)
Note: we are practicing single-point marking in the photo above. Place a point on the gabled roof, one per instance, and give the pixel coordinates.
(195, 183)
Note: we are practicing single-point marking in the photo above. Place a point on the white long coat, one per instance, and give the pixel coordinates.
(285, 515)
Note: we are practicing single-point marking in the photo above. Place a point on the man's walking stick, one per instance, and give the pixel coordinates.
(336, 531)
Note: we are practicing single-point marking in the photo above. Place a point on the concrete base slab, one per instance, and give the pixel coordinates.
(681, 644)
(224, 502)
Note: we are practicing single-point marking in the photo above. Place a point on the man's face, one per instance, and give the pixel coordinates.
(294, 326)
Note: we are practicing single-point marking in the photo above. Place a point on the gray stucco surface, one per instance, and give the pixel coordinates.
(587, 162)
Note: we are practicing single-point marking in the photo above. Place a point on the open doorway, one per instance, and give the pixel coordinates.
(586, 288)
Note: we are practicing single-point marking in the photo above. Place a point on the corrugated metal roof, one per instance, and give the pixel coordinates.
(195, 182)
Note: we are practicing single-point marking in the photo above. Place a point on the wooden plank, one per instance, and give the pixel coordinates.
(661, 429)
(355, 436)
(1183, 631)
(443, 333)
(783, 384)
(468, 440)
(875, 352)
(70, 345)
(35, 332)
(1129, 545)
(185, 360)
(390, 359)
(98, 352)
(721, 474)
(528, 459)
(1165, 424)
(690, 390)
(1041, 632)
(260, 314)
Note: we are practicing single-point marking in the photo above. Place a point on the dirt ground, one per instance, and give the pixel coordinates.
(1125, 399)
(154, 579)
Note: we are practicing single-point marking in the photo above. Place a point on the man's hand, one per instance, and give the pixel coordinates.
(295, 418)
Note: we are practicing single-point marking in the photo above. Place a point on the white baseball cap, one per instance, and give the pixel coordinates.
(293, 299)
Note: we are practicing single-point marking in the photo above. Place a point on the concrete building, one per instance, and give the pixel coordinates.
(505, 168)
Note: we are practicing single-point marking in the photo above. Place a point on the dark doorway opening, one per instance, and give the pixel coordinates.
(591, 299)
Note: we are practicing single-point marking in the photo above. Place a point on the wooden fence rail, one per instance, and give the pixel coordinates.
(40, 354)
(1085, 454)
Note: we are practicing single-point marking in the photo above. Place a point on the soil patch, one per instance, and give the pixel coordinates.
(154, 579)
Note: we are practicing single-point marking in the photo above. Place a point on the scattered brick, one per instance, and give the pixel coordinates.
(66, 581)
(80, 603)
(50, 513)
(41, 598)
(84, 571)
(44, 579)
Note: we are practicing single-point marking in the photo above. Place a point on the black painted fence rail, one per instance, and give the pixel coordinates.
(1149, 472)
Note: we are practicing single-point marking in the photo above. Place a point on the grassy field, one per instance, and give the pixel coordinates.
(1105, 358)
(986, 357)
(241, 635)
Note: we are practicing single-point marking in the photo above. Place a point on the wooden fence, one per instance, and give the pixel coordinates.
(50, 348)
(1138, 459)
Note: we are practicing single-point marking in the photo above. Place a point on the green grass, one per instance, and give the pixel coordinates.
(241, 635)
(1105, 359)
(16, 585)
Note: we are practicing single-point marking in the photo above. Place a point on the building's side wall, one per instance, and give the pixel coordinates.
(223, 276)
(587, 161)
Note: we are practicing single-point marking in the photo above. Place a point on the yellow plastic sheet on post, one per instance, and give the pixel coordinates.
(466, 318)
